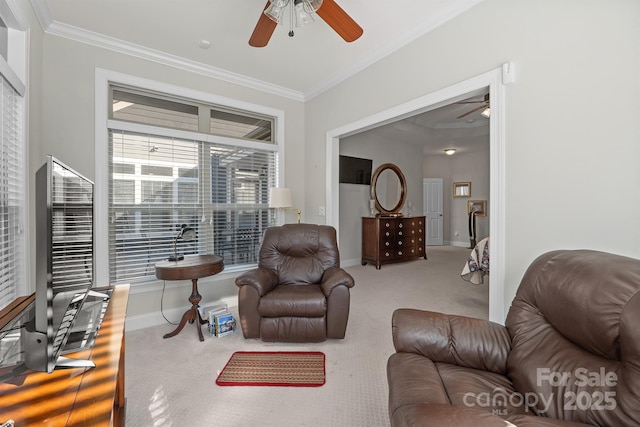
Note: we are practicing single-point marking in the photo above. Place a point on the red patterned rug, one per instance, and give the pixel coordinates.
(274, 368)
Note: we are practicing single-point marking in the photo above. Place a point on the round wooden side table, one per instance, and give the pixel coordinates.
(191, 267)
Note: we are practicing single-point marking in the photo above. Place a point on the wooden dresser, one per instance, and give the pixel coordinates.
(392, 239)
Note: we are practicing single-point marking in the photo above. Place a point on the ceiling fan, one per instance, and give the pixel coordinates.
(484, 103)
(328, 10)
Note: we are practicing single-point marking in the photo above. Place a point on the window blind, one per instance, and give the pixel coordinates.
(159, 182)
(11, 194)
(71, 230)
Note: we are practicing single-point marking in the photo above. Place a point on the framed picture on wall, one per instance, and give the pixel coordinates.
(479, 206)
(461, 189)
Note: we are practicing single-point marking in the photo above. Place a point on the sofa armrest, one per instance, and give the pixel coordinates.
(335, 276)
(262, 279)
(459, 340)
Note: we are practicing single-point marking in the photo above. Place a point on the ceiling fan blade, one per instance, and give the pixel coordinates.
(484, 100)
(339, 20)
(472, 111)
(263, 30)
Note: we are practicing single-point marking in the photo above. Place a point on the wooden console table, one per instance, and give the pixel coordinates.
(192, 267)
(76, 397)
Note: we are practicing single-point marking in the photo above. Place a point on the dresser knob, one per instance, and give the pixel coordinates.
(386, 254)
(400, 242)
(386, 243)
(399, 233)
(399, 252)
(400, 225)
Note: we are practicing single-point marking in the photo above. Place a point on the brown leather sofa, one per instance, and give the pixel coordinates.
(568, 355)
(298, 293)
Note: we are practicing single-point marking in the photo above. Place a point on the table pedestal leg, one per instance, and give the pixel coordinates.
(192, 315)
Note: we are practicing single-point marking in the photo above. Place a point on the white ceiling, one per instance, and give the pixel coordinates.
(300, 67)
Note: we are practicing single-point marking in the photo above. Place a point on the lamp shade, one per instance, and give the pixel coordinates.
(280, 198)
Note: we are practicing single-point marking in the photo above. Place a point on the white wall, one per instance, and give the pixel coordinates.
(571, 116)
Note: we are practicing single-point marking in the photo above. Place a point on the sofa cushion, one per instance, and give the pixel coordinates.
(294, 301)
(479, 389)
(299, 253)
(293, 329)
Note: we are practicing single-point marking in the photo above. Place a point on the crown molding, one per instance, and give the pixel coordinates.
(42, 13)
(398, 42)
(105, 42)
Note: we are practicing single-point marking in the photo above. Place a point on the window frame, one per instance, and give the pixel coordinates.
(13, 68)
(103, 79)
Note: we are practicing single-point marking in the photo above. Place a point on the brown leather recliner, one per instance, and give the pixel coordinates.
(298, 293)
(568, 355)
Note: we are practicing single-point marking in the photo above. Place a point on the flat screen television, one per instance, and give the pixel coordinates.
(64, 263)
(354, 170)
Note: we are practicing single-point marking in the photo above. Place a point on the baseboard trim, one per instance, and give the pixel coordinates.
(350, 262)
(459, 244)
(155, 318)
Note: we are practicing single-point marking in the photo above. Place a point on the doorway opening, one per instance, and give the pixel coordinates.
(490, 82)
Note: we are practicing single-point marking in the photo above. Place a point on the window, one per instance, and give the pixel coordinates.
(12, 161)
(179, 161)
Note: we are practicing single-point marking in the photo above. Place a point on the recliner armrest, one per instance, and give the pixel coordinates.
(459, 340)
(262, 279)
(335, 276)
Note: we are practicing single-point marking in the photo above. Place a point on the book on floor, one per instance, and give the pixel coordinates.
(224, 324)
(211, 313)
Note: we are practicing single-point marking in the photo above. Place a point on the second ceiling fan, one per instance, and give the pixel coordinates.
(328, 10)
(483, 105)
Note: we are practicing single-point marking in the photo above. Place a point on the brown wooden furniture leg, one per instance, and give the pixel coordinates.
(192, 314)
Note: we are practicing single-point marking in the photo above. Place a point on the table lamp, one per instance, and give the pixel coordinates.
(187, 234)
(280, 198)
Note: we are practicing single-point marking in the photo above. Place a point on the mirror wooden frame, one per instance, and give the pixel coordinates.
(395, 211)
(479, 206)
(461, 189)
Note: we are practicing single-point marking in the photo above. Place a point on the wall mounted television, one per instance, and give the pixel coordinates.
(64, 266)
(354, 170)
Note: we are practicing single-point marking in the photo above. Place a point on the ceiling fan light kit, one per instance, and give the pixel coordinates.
(274, 14)
(302, 10)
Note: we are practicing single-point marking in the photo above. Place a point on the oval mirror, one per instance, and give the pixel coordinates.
(388, 189)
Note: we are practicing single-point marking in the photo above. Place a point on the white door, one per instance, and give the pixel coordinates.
(432, 196)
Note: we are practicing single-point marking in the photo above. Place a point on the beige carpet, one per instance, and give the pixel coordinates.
(172, 382)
